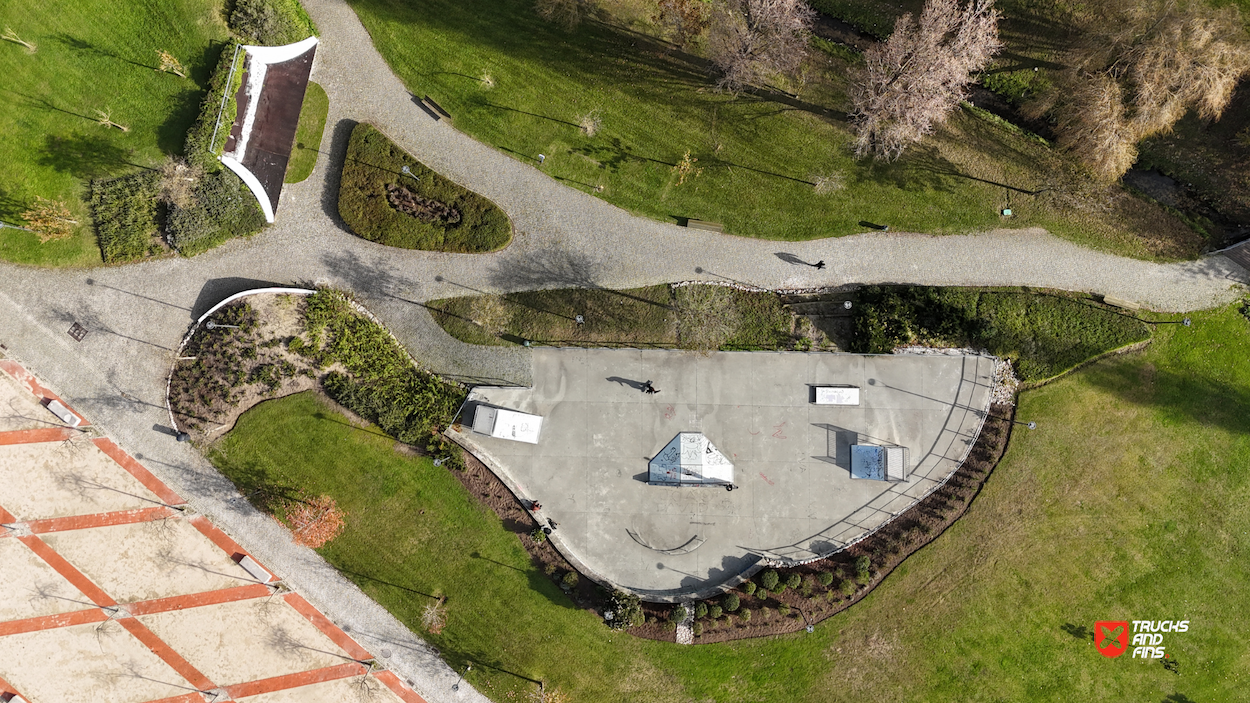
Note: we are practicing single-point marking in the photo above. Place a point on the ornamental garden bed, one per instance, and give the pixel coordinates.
(413, 209)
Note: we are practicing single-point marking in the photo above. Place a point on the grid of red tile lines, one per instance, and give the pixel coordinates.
(29, 532)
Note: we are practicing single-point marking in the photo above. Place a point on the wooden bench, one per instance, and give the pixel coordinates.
(705, 225)
(436, 107)
(1120, 303)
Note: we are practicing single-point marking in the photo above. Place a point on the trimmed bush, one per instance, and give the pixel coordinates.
(697, 629)
(863, 569)
(374, 168)
(766, 613)
(220, 208)
(847, 588)
(714, 611)
(569, 582)
(749, 587)
(745, 615)
(538, 535)
(700, 610)
(124, 211)
(626, 610)
(271, 22)
(761, 593)
(200, 148)
(825, 578)
(794, 580)
(677, 614)
(731, 602)
(1044, 335)
(769, 580)
(784, 610)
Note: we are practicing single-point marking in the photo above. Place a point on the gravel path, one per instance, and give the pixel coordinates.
(137, 314)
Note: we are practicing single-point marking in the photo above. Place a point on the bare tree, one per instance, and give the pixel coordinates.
(10, 35)
(1139, 68)
(50, 219)
(752, 40)
(178, 181)
(170, 64)
(567, 13)
(105, 118)
(913, 80)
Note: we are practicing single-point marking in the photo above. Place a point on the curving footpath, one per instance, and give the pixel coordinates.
(137, 314)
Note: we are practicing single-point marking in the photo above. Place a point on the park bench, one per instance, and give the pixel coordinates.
(1120, 303)
(705, 225)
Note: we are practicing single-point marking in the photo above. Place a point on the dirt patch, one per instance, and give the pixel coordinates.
(243, 360)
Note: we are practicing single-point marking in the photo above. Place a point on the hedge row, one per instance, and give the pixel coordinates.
(375, 162)
(221, 207)
(1044, 334)
(271, 22)
(124, 211)
(381, 383)
(200, 147)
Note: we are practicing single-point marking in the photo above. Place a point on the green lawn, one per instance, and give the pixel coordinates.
(1128, 502)
(93, 54)
(312, 123)
(526, 86)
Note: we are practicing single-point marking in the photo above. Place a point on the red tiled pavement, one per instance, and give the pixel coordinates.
(392, 682)
(82, 522)
(167, 654)
(144, 476)
(321, 622)
(28, 381)
(64, 568)
(303, 678)
(50, 622)
(197, 600)
(43, 434)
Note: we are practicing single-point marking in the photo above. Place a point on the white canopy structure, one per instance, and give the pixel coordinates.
(691, 460)
(507, 424)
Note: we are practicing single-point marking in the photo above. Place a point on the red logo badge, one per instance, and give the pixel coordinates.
(1111, 637)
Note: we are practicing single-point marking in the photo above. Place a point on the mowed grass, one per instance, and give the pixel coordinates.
(92, 55)
(312, 124)
(1128, 502)
(527, 87)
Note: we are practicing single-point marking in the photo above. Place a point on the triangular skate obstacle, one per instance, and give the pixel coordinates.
(690, 460)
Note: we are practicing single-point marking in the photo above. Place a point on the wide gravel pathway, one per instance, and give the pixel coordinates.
(137, 314)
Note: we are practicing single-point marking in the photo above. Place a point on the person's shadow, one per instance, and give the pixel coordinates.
(636, 385)
(790, 259)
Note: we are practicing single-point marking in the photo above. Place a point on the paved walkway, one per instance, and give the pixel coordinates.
(137, 314)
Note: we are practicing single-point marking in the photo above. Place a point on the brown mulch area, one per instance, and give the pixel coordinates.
(887, 548)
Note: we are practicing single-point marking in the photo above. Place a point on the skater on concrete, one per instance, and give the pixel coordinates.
(819, 264)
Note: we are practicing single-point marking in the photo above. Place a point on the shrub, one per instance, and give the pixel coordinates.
(538, 535)
(200, 148)
(761, 593)
(806, 589)
(745, 615)
(700, 610)
(220, 208)
(374, 167)
(847, 588)
(769, 580)
(697, 629)
(749, 587)
(626, 610)
(825, 578)
(794, 580)
(124, 211)
(677, 614)
(384, 386)
(765, 613)
(784, 610)
(730, 601)
(270, 22)
(569, 582)
(714, 611)
(863, 569)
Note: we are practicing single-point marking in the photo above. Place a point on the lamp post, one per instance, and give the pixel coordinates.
(214, 325)
(1187, 322)
(467, 667)
(1030, 425)
(408, 172)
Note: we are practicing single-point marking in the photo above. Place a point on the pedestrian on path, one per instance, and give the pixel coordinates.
(819, 264)
(649, 389)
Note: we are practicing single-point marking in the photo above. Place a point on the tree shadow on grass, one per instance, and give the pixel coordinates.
(1191, 396)
(1077, 631)
(85, 155)
(11, 208)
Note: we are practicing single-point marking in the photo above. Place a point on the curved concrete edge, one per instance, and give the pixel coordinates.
(253, 184)
(278, 54)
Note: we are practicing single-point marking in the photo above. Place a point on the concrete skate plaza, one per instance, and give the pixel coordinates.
(795, 498)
